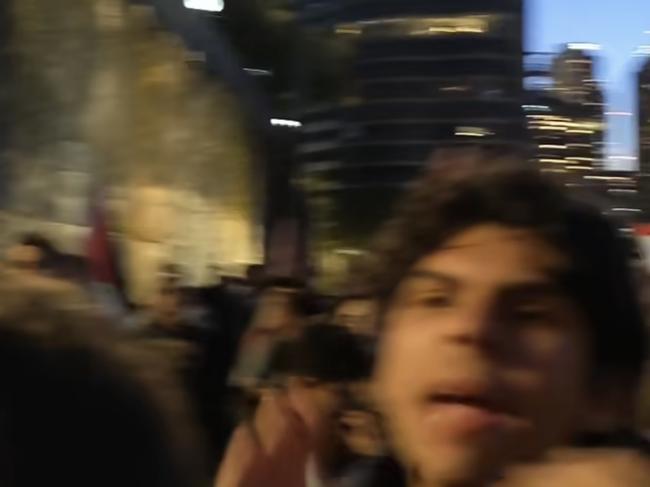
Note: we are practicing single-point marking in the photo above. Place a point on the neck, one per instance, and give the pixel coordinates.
(447, 484)
(415, 482)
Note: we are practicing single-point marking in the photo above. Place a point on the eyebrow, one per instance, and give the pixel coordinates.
(439, 277)
(535, 289)
(551, 283)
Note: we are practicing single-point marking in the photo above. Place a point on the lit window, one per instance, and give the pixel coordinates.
(552, 146)
(281, 122)
(427, 26)
(348, 29)
(207, 5)
(472, 132)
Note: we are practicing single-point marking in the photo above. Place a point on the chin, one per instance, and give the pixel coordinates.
(461, 467)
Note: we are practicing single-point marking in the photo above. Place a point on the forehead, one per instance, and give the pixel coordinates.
(278, 293)
(494, 254)
(354, 306)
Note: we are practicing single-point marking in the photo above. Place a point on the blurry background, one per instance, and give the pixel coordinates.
(216, 134)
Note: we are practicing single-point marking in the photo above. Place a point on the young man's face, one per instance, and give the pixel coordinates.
(483, 358)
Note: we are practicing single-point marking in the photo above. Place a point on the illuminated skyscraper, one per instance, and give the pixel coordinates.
(413, 76)
(643, 84)
(573, 73)
(644, 117)
(565, 111)
(576, 88)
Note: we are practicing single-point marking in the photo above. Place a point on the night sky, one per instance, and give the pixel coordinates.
(620, 27)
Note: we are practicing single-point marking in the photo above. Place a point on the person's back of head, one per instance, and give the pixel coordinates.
(73, 411)
(47, 252)
(324, 352)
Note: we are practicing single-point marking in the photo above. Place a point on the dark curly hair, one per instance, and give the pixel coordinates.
(468, 187)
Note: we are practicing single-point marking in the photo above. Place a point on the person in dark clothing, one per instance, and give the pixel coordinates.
(317, 371)
(34, 253)
(282, 309)
(197, 354)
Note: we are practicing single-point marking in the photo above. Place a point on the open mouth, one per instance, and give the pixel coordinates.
(469, 400)
(463, 415)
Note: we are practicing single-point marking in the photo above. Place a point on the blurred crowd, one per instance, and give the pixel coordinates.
(496, 338)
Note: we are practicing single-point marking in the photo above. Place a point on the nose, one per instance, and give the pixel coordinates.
(477, 324)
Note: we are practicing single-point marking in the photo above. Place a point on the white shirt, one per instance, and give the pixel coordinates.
(312, 477)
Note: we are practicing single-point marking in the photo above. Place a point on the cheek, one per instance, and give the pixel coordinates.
(399, 356)
(554, 382)
(559, 357)
(303, 405)
(315, 408)
(404, 358)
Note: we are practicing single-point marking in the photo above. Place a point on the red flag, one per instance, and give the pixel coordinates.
(101, 263)
(104, 271)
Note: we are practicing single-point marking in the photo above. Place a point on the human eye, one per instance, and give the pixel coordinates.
(533, 312)
(434, 299)
(424, 294)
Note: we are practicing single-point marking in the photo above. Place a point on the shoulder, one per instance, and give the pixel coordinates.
(596, 468)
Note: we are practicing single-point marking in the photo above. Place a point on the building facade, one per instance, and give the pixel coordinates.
(576, 87)
(104, 98)
(410, 76)
(617, 193)
(565, 111)
(643, 86)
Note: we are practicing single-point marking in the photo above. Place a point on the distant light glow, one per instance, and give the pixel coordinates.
(472, 132)
(351, 252)
(258, 72)
(425, 26)
(583, 159)
(584, 46)
(349, 30)
(282, 122)
(619, 114)
(542, 108)
(206, 5)
(608, 178)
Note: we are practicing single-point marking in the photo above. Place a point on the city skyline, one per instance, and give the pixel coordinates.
(620, 29)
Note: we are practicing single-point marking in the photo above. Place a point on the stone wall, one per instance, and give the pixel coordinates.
(104, 101)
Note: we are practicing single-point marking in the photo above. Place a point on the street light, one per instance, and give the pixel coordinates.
(207, 5)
